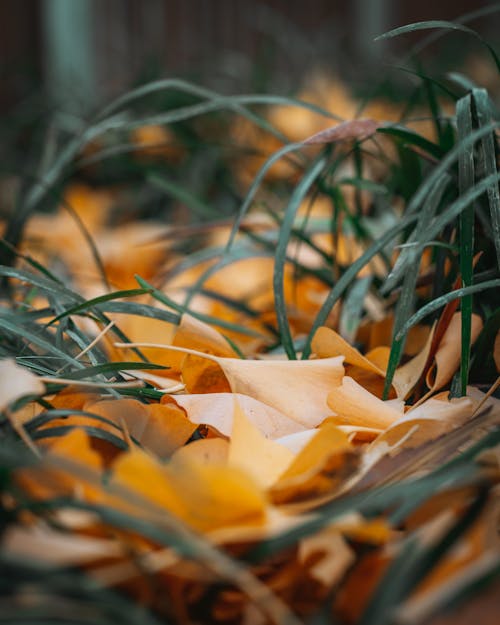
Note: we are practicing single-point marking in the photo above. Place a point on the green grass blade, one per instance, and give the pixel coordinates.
(407, 296)
(352, 308)
(222, 323)
(439, 24)
(444, 299)
(466, 233)
(296, 199)
(287, 149)
(8, 323)
(481, 101)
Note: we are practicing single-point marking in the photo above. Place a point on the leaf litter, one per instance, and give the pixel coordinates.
(214, 479)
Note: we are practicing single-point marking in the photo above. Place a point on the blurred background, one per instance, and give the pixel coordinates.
(77, 54)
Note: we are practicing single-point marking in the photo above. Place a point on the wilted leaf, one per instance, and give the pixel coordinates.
(447, 358)
(264, 459)
(216, 410)
(17, 382)
(356, 406)
(298, 388)
(356, 129)
(160, 428)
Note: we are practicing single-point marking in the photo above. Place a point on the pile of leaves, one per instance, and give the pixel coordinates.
(282, 413)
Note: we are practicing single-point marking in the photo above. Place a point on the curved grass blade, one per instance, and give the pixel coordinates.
(287, 149)
(125, 307)
(422, 192)
(483, 111)
(439, 24)
(298, 196)
(164, 299)
(407, 296)
(466, 233)
(444, 299)
(12, 327)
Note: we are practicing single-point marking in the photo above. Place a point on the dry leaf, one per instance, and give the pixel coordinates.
(447, 358)
(298, 388)
(204, 451)
(357, 406)
(41, 543)
(327, 343)
(203, 495)
(264, 459)
(407, 376)
(356, 129)
(17, 382)
(159, 428)
(332, 556)
(319, 468)
(216, 410)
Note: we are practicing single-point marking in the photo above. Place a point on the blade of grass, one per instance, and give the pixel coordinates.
(483, 111)
(439, 24)
(164, 299)
(444, 299)
(296, 199)
(407, 296)
(466, 233)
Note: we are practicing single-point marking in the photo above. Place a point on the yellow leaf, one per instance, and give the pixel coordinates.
(204, 451)
(16, 382)
(251, 451)
(407, 376)
(319, 469)
(159, 428)
(216, 410)
(327, 343)
(203, 495)
(298, 388)
(448, 355)
(359, 407)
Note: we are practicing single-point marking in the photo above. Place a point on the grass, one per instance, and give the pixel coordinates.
(436, 201)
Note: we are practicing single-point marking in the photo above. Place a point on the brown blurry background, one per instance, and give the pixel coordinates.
(81, 52)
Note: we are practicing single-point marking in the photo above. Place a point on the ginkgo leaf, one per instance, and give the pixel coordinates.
(425, 423)
(262, 458)
(47, 480)
(359, 407)
(407, 376)
(216, 410)
(328, 554)
(160, 428)
(204, 451)
(322, 464)
(447, 358)
(298, 388)
(205, 496)
(17, 382)
(327, 343)
(41, 543)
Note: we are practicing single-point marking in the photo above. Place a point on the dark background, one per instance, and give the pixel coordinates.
(233, 45)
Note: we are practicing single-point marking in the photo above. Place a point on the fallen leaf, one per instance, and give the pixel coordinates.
(17, 382)
(356, 129)
(319, 468)
(327, 343)
(448, 355)
(407, 376)
(262, 458)
(160, 428)
(357, 406)
(216, 410)
(298, 388)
